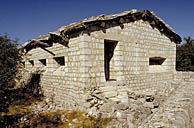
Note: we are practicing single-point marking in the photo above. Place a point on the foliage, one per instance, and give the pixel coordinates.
(15, 102)
(9, 57)
(185, 55)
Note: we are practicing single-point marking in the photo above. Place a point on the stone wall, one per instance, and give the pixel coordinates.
(178, 110)
(64, 84)
(84, 63)
(184, 76)
(137, 42)
(170, 107)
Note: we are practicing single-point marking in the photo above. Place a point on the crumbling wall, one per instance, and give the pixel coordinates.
(64, 84)
(173, 106)
(127, 107)
(178, 109)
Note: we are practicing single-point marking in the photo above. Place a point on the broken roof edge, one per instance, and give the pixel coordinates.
(146, 15)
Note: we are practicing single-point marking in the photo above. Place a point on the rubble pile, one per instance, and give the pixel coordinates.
(127, 107)
(127, 113)
(177, 111)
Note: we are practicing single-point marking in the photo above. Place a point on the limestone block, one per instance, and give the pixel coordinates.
(84, 69)
(141, 100)
(115, 99)
(110, 94)
(83, 45)
(108, 88)
(107, 107)
(85, 51)
(118, 114)
(122, 106)
(86, 63)
(130, 124)
(85, 38)
(148, 105)
(154, 110)
(87, 105)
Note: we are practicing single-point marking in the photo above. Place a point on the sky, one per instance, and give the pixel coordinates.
(28, 19)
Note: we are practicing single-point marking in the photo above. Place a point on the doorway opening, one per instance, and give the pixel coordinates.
(109, 47)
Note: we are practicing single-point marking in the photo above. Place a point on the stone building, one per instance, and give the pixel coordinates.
(133, 50)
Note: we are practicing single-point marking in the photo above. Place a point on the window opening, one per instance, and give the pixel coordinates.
(60, 60)
(156, 60)
(31, 62)
(43, 61)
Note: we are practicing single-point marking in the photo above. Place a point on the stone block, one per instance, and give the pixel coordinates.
(115, 99)
(148, 105)
(85, 38)
(87, 105)
(110, 94)
(83, 45)
(107, 107)
(107, 88)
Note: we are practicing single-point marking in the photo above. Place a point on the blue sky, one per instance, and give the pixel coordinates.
(27, 19)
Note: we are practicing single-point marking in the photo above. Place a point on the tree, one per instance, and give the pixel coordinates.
(185, 55)
(9, 57)
(189, 40)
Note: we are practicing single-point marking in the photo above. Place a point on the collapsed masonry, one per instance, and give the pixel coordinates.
(172, 107)
(112, 56)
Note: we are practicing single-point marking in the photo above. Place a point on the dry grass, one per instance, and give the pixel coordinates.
(64, 119)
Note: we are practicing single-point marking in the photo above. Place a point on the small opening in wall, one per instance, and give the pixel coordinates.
(60, 60)
(43, 61)
(156, 60)
(31, 62)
